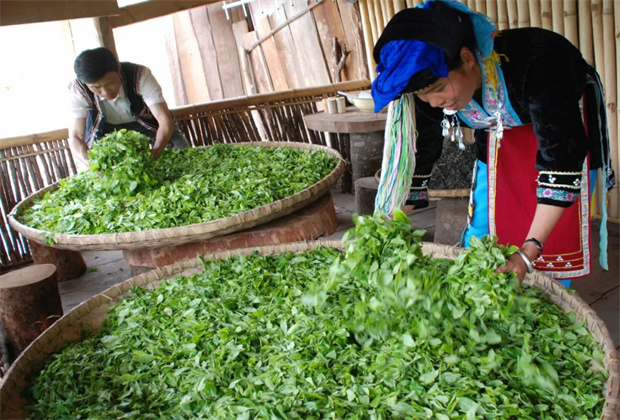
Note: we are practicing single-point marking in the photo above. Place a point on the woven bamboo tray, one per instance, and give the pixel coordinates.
(91, 313)
(156, 238)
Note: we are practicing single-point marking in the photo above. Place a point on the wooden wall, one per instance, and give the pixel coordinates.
(591, 25)
(279, 45)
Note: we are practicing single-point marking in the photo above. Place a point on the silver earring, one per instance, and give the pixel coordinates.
(451, 127)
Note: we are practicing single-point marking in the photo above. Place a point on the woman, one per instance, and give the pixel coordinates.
(523, 91)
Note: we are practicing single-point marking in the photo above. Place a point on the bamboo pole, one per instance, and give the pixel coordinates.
(609, 50)
(599, 63)
(597, 33)
(385, 16)
(535, 17)
(481, 6)
(389, 6)
(470, 3)
(491, 8)
(513, 14)
(570, 21)
(523, 14)
(368, 44)
(502, 15)
(399, 5)
(379, 19)
(545, 14)
(556, 16)
(615, 202)
(585, 32)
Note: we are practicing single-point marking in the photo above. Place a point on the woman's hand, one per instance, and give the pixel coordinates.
(516, 262)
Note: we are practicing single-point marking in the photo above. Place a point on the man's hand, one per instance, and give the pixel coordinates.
(166, 125)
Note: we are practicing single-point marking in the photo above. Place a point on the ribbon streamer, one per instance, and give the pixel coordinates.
(398, 163)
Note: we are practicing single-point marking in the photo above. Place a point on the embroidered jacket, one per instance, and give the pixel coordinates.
(545, 78)
(130, 77)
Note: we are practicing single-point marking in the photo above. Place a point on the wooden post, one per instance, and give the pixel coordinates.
(29, 304)
(69, 264)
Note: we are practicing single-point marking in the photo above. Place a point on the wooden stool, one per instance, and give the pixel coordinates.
(29, 304)
(69, 264)
(450, 220)
(365, 194)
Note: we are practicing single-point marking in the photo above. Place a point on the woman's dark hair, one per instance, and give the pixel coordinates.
(92, 65)
(439, 25)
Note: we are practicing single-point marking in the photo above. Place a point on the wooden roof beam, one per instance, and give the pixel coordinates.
(17, 12)
(152, 9)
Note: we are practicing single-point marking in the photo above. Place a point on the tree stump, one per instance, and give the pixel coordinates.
(450, 220)
(365, 194)
(69, 264)
(29, 304)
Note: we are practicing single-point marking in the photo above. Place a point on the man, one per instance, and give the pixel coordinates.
(108, 95)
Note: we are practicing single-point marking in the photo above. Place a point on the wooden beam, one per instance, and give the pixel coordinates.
(154, 8)
(17, 12)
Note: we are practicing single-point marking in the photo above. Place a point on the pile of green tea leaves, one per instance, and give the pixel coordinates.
(379, 331)
(124, 190)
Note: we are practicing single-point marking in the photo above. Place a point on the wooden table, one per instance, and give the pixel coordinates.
(366, 131)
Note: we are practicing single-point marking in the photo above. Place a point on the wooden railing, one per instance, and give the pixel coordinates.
(29, 163)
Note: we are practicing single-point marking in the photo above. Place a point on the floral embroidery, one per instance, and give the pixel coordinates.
(555, 194)
(560, 258)
(418, 195)
(568, 264)
(496, 106)
(567, 180)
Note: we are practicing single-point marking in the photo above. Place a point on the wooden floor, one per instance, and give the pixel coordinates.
(601, 290)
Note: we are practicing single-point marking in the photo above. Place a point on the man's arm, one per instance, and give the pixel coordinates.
(166, 125)
(77, 144)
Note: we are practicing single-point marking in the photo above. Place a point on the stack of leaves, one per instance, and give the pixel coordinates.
(125, 191)
(124, 162)
(392, 333)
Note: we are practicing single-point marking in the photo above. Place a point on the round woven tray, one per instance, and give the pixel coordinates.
(459, 193)
(156, 238)
(91, 313)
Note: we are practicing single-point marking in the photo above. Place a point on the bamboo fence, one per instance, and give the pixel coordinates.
(31, 163)
(591, 25)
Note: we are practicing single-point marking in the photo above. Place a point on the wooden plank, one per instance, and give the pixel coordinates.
(272, 58)
(226, 48)
(180, 98)
(239, 30)
(192, 70)
(18, 12)
(286, 48)
(330, 29)
(356, 66)
(204, 36)
(306, 39)
(257, 64)
(151, 9)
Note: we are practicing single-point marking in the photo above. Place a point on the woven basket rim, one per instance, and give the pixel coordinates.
(95, 308)
(155, 238)
(453, 193)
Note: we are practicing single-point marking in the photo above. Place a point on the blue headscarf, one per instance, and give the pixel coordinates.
(424, 38)
(400, 60)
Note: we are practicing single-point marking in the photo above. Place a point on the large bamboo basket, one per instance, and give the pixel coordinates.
(91, 313)
(156, 238)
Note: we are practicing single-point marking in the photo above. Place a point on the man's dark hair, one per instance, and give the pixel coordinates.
(92, 65)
